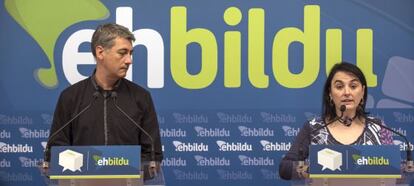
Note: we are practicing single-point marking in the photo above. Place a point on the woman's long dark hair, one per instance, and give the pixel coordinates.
(328, 107)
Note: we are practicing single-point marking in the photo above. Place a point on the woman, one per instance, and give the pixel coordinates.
(345, 87)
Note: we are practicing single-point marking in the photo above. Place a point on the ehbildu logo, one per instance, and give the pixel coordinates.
(47, 118)
(15, 177)
(5, 134)
(190, 175)
(370, 160)
(256, 161)
(211, 132)
(277, 118)
(173, 133)
(245, 131)
(403, 117)
(290, 131)
(269, 175)
(181, 37)
(5, 163)
(28, 162)
(270, 146)
(190, 118)
(43, 144)
(234, 146)
(33, 133)
(403, 146)
(110, 161)
(15, 148)
(234, 118)
(175, 162)
(15, 120)
(189, 147)
(234, 175)
(211, 161)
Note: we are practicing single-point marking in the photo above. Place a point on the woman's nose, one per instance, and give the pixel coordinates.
(347, 90)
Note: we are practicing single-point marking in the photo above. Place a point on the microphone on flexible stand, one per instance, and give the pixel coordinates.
(342, 109)
(152, 164)
(302, 168)
(46, 158)
(409, 166)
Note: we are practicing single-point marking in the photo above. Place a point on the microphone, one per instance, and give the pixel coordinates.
(409, 164)
(342, 109)
(46, 158)
(152, 164)
(301, 167)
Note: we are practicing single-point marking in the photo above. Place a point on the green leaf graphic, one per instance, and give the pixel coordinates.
(45, 20)
(356, 156)
(96, 157)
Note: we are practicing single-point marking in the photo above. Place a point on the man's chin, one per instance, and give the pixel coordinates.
(122, 74)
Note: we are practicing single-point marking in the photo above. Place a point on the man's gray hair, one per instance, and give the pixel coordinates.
(105, 35)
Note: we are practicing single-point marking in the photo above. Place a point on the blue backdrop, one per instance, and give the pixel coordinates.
(232, 81)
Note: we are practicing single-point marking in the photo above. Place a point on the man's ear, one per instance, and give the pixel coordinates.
(99, 51)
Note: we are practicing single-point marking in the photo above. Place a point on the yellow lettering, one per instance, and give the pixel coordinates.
(232, 49)
(180, 39)
(256, 62)
(310, 38)
(333, 48)
(364, 55)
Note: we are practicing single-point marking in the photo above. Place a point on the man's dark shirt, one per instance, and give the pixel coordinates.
(103, 123)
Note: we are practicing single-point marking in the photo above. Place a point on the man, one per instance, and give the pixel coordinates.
(104, 97)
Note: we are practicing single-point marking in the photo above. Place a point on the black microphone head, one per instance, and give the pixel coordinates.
(342, 108)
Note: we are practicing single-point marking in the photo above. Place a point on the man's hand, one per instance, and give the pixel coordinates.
(302, 171)
(153, 168)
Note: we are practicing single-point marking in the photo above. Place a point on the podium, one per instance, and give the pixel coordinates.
(100, 166)
(339, 165)
(95, 182)
(352, 181)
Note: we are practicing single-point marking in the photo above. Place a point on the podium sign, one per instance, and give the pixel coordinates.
(354, 161)
(95, 162)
